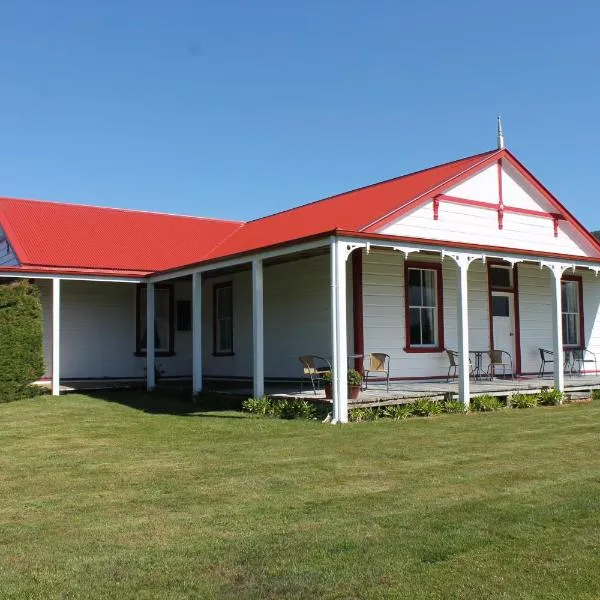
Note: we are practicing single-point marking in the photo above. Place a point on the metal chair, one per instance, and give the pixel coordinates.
(314, 367)
(378, 363)
(500, 358)
(579, 357)
(547, 356)
(453, 357)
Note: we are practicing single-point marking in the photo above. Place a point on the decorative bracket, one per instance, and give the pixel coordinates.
(463, 260)
(436, 208)
(406, 251)
(349, 248)
(555, 219)
(557, 269)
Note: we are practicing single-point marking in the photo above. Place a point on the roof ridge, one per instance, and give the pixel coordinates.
(118, 209)
(364, 187)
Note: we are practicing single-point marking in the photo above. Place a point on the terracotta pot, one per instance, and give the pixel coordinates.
(353, 391)
(328, 391)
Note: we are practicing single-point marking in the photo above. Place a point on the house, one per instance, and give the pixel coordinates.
(472, 254)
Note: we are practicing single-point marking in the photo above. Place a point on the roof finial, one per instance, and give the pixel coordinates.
(500, 135)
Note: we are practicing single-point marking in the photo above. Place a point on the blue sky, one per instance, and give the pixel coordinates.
(236, 109)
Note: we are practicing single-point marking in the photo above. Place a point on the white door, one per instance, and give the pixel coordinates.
(503, 315)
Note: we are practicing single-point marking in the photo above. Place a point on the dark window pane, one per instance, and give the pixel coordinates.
(184, 315)
(570, 330)
(429, 298)
(414, 287)
(428, 320)
(500, 277)
(570, 298)
(500, 306)
(414, 316)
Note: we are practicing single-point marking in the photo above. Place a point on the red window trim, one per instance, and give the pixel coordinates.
(515, 292)
(579, 280)
(440, 306)
(216, 287)
(138, 333)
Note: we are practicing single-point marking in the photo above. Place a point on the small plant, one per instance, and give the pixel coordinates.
(326, 377)
(354, 377)
(294, 409)
(550, 397)
(398, 412)
(453, 406)
(595, 394)
(485, 403)
(426, 407)
(366, 413)
(263, 407)
(523, 400)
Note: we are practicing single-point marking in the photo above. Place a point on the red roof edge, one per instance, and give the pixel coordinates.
(423, 197)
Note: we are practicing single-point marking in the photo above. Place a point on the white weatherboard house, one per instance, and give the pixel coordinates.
(472, 254)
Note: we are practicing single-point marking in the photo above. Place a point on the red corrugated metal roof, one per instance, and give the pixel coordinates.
(350, 211)
(107, 240)
(51, 236)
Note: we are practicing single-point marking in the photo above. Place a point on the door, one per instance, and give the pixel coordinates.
(503, 322)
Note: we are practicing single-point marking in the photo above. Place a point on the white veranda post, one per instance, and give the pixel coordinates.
(197, 332)
(150, 351)
(258, 327)
(462, 314)
(339, 256)
(557, 271)
(56, 336)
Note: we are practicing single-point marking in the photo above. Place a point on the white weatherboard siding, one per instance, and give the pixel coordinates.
(474, 225)
(384, 317)
(8, 258)
(296, 318)
(98, 332)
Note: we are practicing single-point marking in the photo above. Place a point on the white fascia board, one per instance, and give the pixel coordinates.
(246, 259)
(98, 278)
(509, 256)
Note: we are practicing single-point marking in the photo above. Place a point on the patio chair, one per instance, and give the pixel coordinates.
(579, 357)
(500, 358)
(379, 365)
(453, 357)
(547, 356)
(313, 367)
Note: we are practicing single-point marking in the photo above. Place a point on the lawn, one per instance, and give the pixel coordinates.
(134, 496)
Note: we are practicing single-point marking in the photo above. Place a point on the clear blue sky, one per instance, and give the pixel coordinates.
(238, 108)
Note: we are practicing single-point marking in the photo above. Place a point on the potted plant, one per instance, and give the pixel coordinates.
(354, 384)
(354, 381)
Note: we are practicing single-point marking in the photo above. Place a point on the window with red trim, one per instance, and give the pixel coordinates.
(163, 320)
(572, 311)
(424, 310)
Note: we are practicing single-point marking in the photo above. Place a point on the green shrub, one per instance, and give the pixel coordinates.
(523, 400)
(425, 407)
(453, 406)
(263, 407)
(595, 394)
(398, 412)
(294, 409)
(21, 340)
(366, 413)
(550, 397)
(485, 403)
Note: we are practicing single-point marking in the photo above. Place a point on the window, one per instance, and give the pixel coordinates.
(223, 319)
(163, 320)
(423, 297)
(500, 277)
(572, 317)
(184, 315)
(500, 306)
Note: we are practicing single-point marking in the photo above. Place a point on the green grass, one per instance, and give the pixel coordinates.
(131, 496)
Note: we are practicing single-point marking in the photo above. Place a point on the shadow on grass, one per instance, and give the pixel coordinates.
(174, 402)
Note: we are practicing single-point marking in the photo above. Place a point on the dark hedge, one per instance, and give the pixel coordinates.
(21, 339)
